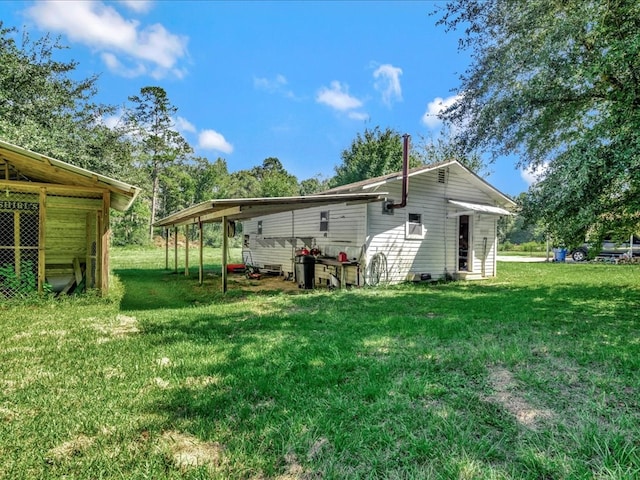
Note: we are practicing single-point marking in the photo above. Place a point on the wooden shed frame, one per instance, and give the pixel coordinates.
(33, 185)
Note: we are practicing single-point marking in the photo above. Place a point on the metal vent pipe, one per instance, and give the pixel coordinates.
(405, 172)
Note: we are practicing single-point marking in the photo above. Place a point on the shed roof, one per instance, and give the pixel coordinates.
(245, 208)
(41, 168)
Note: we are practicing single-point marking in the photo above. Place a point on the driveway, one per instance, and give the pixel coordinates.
(513, 258)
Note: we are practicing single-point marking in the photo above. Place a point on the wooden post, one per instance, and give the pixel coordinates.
(16, 243)
(225, 242)
(42, 225)
(106, 233)
(99, 249)
(186, 251)
(175, 249)
(166, 248)
(201, 263)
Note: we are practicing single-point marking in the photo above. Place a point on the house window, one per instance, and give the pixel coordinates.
(324, 221)
(414, 227)
(259, 227)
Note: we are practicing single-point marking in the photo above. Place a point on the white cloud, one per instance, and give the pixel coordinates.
(138, 6)
(114, 65)
(388, 83)
(358, 116)
(277, 84)
(212, 140)
(435, 107)
(337, 97)
(533, 175)
(101, 27)
(270, 84)
(184, 125)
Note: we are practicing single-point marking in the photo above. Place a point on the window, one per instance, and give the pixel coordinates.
(259, 227)
(324, 221)
(414, 228)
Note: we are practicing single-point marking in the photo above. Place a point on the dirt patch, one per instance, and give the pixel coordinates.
(505, 395)
(186, 451)
(124, 326)
(74, 447)
(266, 282)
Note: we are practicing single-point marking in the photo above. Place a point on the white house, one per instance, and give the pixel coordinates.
(447, 227)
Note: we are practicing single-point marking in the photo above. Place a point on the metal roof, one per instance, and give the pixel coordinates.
(41, 168)
(478, 207)
(245, 208)
(397, 176)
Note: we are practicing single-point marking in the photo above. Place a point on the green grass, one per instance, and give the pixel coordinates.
(532, 375)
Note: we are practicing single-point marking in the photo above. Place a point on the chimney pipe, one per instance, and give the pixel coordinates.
(405, 172)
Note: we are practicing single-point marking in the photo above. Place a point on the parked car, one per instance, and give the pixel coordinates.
(610, 248)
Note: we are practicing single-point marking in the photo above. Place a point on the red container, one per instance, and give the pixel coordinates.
(342, 257)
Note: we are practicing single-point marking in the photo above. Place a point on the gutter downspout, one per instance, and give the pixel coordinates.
(405, 172)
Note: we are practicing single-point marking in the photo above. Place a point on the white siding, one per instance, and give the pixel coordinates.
(275, 246)
(436, 254)
(364, 231)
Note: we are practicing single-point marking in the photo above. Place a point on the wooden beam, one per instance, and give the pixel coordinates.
(77, 271)
(88, 242)
(42, 238)
(106, 233)
(225, 243)
(99, 227)
(201, 262)
(175, 249)
(186, 251)
(16, 242)
(166, 248)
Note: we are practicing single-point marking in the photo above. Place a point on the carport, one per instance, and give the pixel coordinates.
(229, 211)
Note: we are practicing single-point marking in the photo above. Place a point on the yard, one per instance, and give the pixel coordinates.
(533, 375)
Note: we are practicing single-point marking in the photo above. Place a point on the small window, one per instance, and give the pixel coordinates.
(259, 227)
(324, 221)
(415, 228)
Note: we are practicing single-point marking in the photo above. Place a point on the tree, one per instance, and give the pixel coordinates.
(274, 180)
(44, 107)
(313, 185)
(557, 83)
(157, 144)
(443, 148)
(372, 154)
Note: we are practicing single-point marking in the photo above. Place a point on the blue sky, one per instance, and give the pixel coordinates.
(296, 80)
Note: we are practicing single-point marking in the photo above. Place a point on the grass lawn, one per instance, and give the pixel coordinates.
(532, 375)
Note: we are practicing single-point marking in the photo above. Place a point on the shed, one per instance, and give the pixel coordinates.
(446, 227)
(54, 222)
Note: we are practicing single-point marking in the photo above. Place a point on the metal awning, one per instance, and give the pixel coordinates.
(244, 208)
(476, 207)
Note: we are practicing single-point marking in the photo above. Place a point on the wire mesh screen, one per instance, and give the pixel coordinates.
(19, 234)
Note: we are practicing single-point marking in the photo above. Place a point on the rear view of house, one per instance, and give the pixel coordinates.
(447, 227)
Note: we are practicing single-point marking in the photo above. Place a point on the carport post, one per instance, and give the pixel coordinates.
(186, 251)
(166, 248)
(225, 242)
(201, 244)
(175, 249)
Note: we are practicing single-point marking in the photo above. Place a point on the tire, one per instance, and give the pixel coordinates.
(579, 255)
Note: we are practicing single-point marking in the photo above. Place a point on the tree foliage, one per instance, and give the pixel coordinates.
(374, 153)
(158, 145)
(444, 147)
(43, 107)
(557, 83)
